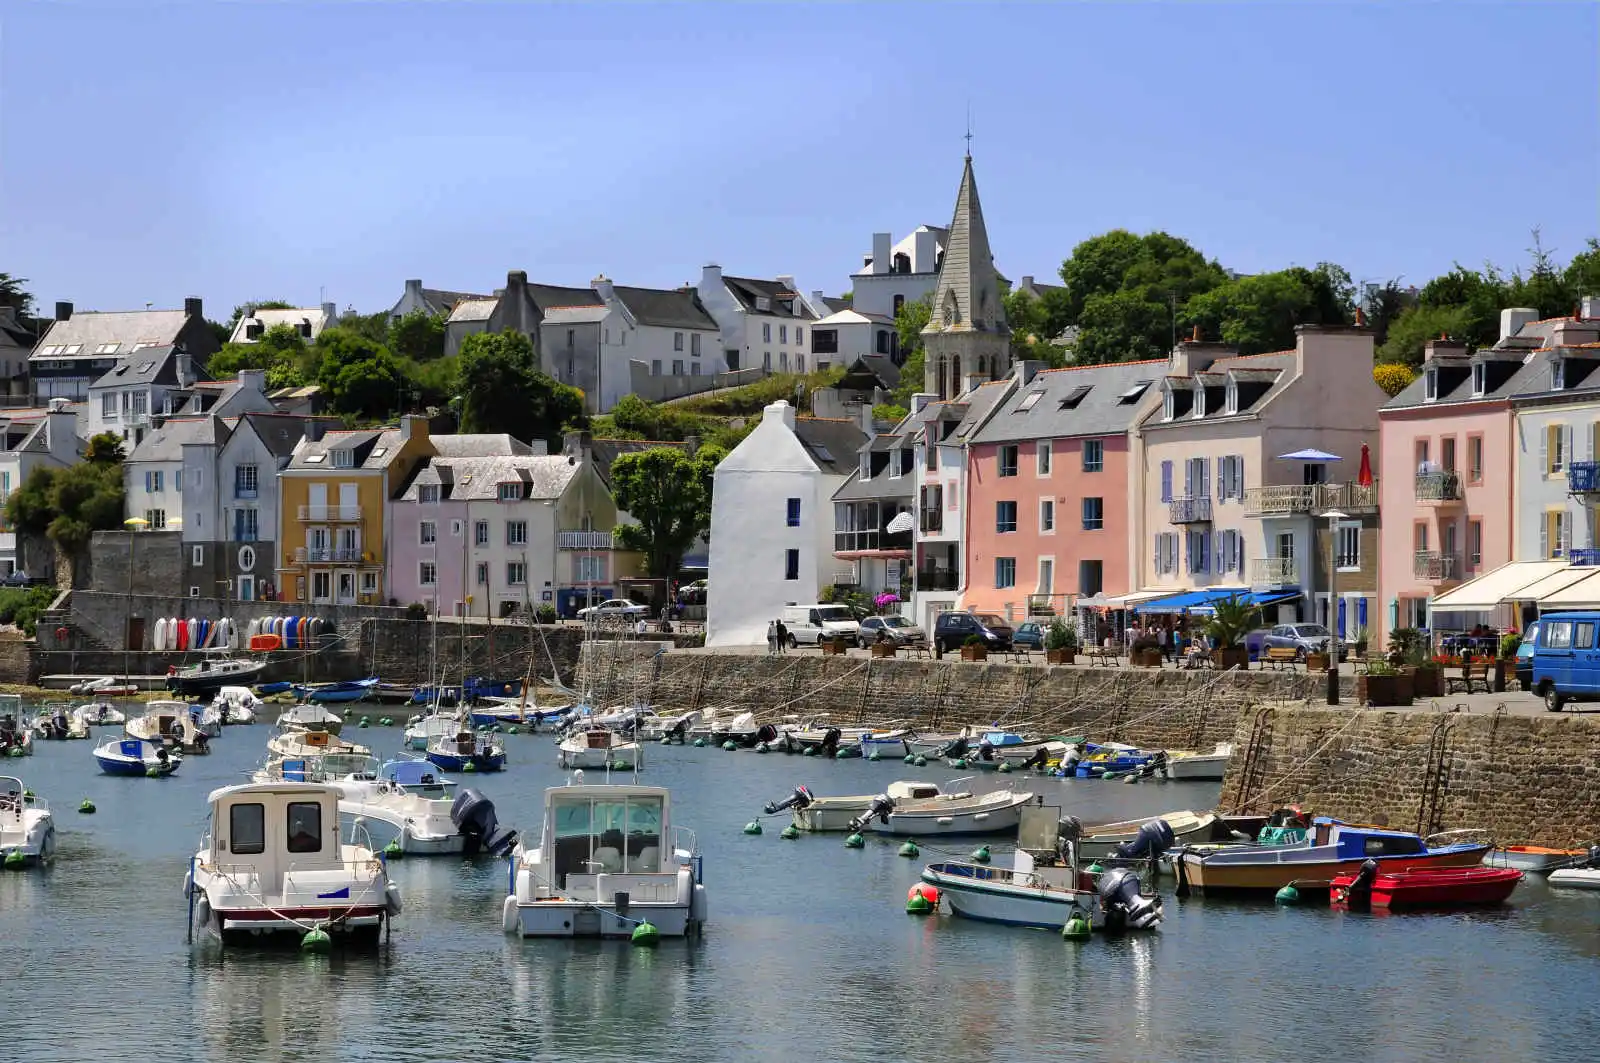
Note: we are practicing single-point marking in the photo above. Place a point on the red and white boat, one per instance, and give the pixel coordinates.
(1424, 887)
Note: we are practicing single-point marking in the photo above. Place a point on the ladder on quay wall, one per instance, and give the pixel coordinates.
(1436, 779)
(1250, 777)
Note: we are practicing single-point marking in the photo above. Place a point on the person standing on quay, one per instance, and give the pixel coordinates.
(772, 637)
(783, 637)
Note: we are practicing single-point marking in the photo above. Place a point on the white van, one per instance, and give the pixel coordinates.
(807, 623)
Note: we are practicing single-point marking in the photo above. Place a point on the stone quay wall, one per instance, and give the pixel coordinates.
(1160, 707)
(1526, 780)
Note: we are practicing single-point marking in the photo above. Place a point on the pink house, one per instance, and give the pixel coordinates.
(1048, 519)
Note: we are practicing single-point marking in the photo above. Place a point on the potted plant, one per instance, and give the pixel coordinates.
(1231, 620)
(1359, 643)
(974, 649)
(1384, 684)
(882, 648)
(1410, 646)
(1060, 643)
(834, 645)
(1316, 662)
(1145, 652)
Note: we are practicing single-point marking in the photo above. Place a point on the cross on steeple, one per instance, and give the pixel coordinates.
(968, 137)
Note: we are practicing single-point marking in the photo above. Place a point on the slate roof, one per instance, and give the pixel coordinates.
(167, 442)
(150, 365)
(372, 447)
(473, 310)
(91, 330)
(879, 366)
(979, 402)
(1265, 376)
(478, 445)
(677, 309)
(575, 315)
(278, 432)
(314, 316)
(479, 479)
(1102, 410)
(831, 444)
(441, 301)
(748, 289)
(549, 295)
(834, 306)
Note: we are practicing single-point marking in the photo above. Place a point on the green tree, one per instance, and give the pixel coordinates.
(1414, 328)
(277, 345)
(374, 327)
(244, 310)
(668, 494)
(1123, 292)
(502, 390)
(105, 449)
(1583, 272)
(1259, 313)
(418, 336)
(908, 324)
(1384, 306)
(1122, 327)
(67, 506)
(434, 382)
(639, 418)
(15, 295)
(359, 377)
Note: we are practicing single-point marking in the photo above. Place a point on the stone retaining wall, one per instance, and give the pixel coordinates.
(1526, 779)
(1174, 709)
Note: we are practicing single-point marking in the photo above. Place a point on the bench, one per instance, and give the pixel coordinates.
(1019, 653)
(1111, 655)
(1279, 657)
(1472, 675)
(919, 649)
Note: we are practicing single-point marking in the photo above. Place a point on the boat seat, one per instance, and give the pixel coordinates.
(607, 859)
(648, 860)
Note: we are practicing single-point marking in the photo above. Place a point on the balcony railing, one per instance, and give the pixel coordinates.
(938, 579)
(1431, 566)
(846, 578)
(330, 513)
(1274, 572)
(305, 555)
(583, 540)
(246, 492)
(1281, 500)
(1585, 556)
(1349, 496)
(1190, 510)
(1438, 487)
(1583, 477)
(848, 541)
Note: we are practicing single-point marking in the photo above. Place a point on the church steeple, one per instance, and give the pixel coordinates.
(966, 339)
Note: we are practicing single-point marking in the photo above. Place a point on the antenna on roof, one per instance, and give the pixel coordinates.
(969, 129)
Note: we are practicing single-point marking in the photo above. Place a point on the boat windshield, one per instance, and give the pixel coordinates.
(611, 835)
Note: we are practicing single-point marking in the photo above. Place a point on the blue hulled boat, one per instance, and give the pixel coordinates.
(454, 753)
(137, 756)
(335, 693)
(280, 687)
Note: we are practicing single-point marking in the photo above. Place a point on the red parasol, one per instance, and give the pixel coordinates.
(1364, 476)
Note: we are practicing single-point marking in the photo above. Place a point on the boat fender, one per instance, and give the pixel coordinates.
(391, 899)
(202, 910)
(509, 918)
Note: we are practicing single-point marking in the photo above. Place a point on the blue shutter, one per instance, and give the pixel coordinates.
(1340, 631)
(1166, 481)
(1361, 612)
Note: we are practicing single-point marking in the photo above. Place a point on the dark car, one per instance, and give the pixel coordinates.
(951, 631)
(1255, 643)
(1029, 633)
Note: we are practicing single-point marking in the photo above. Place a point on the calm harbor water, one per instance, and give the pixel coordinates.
(808, 954)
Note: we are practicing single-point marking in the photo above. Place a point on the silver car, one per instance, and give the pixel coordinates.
(1302, 638)
(900, 630)
(614, 609)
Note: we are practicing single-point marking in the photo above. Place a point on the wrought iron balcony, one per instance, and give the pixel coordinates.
(1280, 500)
(1583, 477)
(1274, 572)
(1349, 496)
(330, 514)
(1584, 556)
(583, 540)
(1438, 487)
(305, 555)
(1190, 510)
(246, 492)
(938, 579)
(1432, 566)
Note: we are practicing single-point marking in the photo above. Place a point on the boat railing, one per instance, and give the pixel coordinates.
(684, 840)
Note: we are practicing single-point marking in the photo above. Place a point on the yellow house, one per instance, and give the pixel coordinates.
(333, 495)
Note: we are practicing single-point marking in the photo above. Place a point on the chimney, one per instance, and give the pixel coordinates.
(578, 445)
(1195, 337)
(819, 302)
(1361, 318)
(710, 277)
(603, 288)
(788, 284)
(330, 314)
(1589, 308)
(192, 307)
(413, 426)
(1513, 318)
(1443, 348)
(62, 431)
(1026, 282)
(880, 252)
(63, 311)
(779, 410)
(253, 380)
(864, 416)
(924, 251)
(1026, 369)
(920, 400)
(414, 289)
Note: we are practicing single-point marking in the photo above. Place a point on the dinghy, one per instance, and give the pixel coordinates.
(137, 756)
(811, 813)
(597, 747)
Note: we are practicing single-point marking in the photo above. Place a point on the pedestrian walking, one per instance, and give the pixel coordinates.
(772, 637)
(783, 637)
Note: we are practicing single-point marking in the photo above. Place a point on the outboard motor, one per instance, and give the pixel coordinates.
(1124, 906)
(766, 733)
(830, 742)
(1153, 839)
(473, 815)
(678, 731)
(986, 750)
(800, 799)
(1157, 764)
(1360, 889)
(1040, 758)
(1068, 830)
(880, 808)
(956, 748)
(1594, 856)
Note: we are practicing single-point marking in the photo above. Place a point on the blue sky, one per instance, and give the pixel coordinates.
(273, 150)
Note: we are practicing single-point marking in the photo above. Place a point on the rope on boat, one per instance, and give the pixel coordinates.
(320, 924)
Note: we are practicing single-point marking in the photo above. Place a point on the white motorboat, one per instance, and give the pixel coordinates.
(598, 747)
(1586, 877)
(1194, 766)
(237, 704)
(105, 686)
(1044, 887)
(608, 860)
(291, 744)
(413, 798)
(171, 723)
(27, 833)
(56, 724)
(997, 812)
(811, 813)
(424, 729)
(16, 737)
(100, 714)
(654, 728)
(137, 756)
(308, 717)
(214, 671)
(276, 861)
(885, 743)
(1100, 841)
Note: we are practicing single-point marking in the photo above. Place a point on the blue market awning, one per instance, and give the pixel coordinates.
(1273, 597)
(1188, 600)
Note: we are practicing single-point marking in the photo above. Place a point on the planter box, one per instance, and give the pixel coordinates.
(1427, 682)
(1145, 658)
(1382, 690)
(1235, 657)
(832, 648)
(1060, 656)
(1316, 662)
(885, 649)
(974, 653)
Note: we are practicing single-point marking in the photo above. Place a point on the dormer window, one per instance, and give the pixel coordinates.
(510, 492)
(1480, 379)
(1430, 385)
(1168, 403)
(1231, 401)
(1199, 399)
(1558, 374)
(428, 493)
(344, 459)
(866, 466)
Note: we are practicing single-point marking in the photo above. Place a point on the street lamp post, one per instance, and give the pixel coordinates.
(1335, 644)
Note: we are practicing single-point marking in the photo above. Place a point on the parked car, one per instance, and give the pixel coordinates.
(1029, 633)
(951, 630)
(900, 630)
(1302, 638)
(1256, 641)
(693, 593)
(614, 608)
(1564, 661)
(1530, 639)
(809, 623)
(19, 578)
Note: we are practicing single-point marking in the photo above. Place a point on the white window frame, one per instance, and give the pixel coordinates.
(427, 533)
(427, 574)
(1342, 530)
(1047, 516)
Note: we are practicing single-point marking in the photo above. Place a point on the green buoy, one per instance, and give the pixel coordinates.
(316, 940)
(909, 849)
(513, 730)
(469, 767)
(1077, 927)
(762, 747)
(917, 904)
(619, 765)
(1287, 895)
(854, 841)
(86, 807)
(753, 827)
(789, 833)
(729, 745)
(1005, 766)
(364, 723)
(959, 764)
(840, 754)
(980, 855)
(1094, 869)
(394, 850)
(808, 751)
(921, 761)
(14, 751)
(699, 743)
(665, 741)
(152, 772)
(28, 793)
(910, 758)
(645, 935)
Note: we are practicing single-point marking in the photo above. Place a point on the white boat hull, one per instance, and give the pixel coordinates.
(625, 754)
(560, 919)
(996, 817)
(1576, 878)
(1210, 767)
(830, 814)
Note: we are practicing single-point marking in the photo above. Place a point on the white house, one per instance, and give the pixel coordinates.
(30, 439)
(765, 324)
(437, 302)
(772, 521)
(140, 390)
(842, 337)
(666, 332)
(152, 475)
(307, 321)
(80, 348)
(897, 273)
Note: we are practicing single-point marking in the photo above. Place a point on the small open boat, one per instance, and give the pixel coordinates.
(1208, 766)
(1430, 887)
(1586, 877)
(336, 693)
(310, 717)
(598, 747)
(996, 812)
(812, 813)
(137, 756)
(16, 737)
(170, 722)
(467, 750)
(1534, 857)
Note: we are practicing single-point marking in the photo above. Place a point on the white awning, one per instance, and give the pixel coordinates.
(1120, 601)
(1536, 592)
(1585, 591)
(1504, 584)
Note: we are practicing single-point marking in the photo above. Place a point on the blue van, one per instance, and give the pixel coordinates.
(1566, 658)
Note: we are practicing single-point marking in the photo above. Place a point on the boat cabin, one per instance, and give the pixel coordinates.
(270, 829)
(1357, 842)
(597, 738)
(913, 791)
(417, 776)
(590, 831)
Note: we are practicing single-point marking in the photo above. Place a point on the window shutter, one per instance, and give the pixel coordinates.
(1205, 478)
(1544, 537)
(1544, 450)
(1166, 481)
(1222, 479)
(1566, 450)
